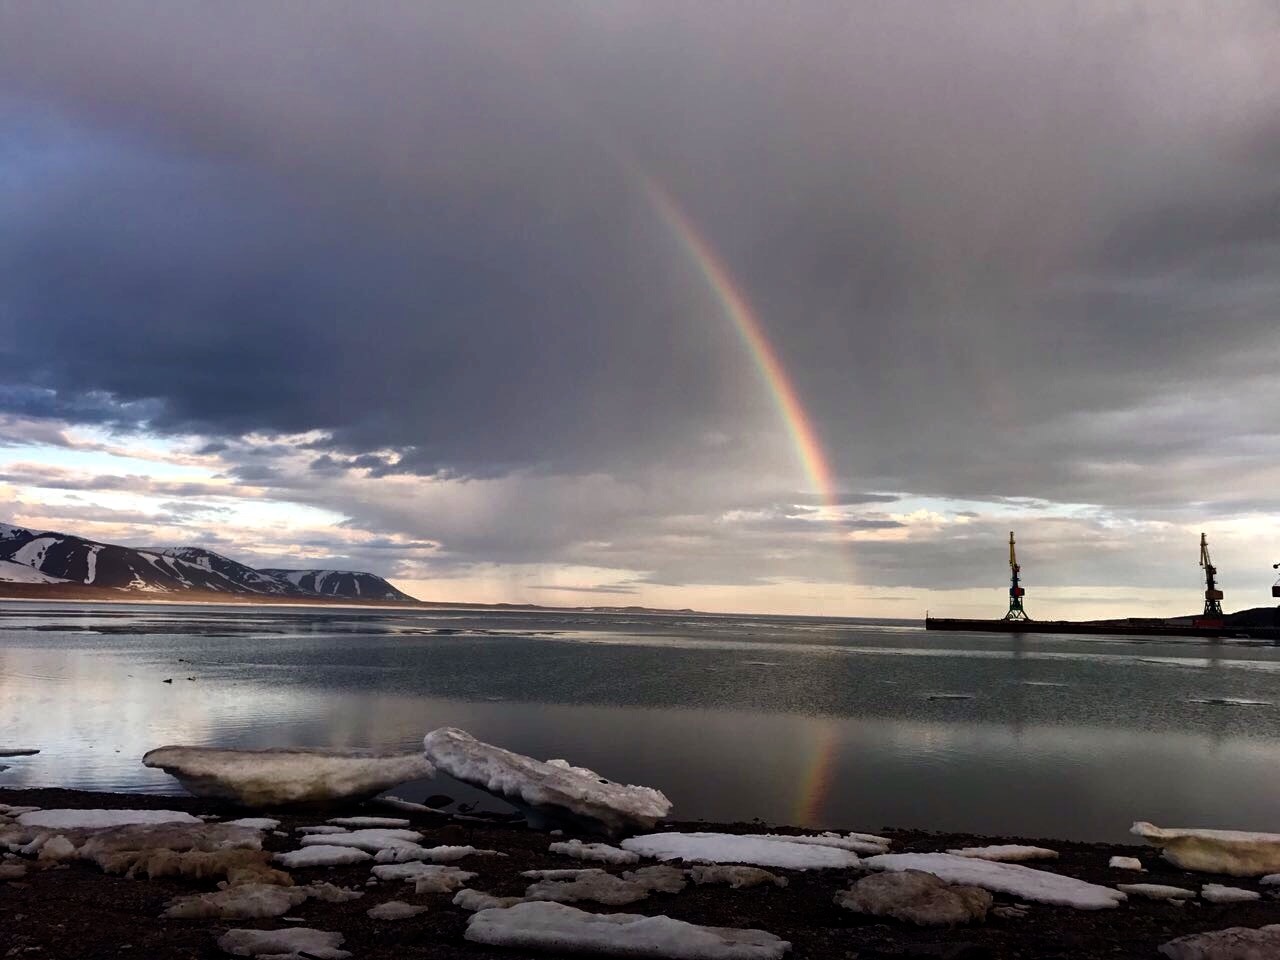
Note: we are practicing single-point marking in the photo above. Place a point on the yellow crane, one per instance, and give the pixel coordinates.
(1016, 593)
(1212, 595)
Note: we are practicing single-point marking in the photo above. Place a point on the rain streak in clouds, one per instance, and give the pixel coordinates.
(384, 285)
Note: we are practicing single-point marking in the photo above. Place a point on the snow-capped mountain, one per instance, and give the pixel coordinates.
(234, 573)
(46, 557)
(350, 584)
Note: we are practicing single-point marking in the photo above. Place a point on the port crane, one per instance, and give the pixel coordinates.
(1275, 587)
(1016, 593)
(1212, 595)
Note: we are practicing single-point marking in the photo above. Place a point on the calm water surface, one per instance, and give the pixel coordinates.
(857, 724)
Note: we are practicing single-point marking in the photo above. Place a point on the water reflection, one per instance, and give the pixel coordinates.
(811, 723)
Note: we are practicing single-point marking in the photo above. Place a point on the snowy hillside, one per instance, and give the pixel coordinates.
(29, 556)
(350, 584)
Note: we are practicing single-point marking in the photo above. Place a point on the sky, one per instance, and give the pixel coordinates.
(777, 308)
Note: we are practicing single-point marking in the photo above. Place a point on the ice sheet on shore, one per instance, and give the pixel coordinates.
(1217, 893)
(1236, 853)
(600, 852)
(288, 943)
(1006, 853)
(102, 819)
(374, 839)
(551, 792)
(556, 927)
(762, 851)
(1156, 891)
(1025, 882)
(321, 855)
(258, 778)
(865, 843)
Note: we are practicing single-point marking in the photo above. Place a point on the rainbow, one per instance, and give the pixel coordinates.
(813, 459)
(815, 781)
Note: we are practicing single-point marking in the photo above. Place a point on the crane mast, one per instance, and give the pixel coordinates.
(1212, 595)
(1016, 593)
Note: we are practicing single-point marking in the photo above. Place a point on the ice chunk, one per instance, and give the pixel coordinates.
(321, 855)
(1156, 891)
(597, 887)
(594, 851)
(288, 943)
(1006, 853)
(554, 926)
(1233, 943)
(738, 877)
(255, 823)
(1270, 880)
(660, 878)
(392, 822)
(12, 871)
(740, 848)
(916, 897)
(1126, 863)
(445, 854)
(332, 894)
(473, 900)
(259, 778)
(1217, 893)
(101, 819)
(1234, 852)
(180, 849)
(549, 793)
(373, 840)
(321, 829)
(249, 900)
(1025, 882)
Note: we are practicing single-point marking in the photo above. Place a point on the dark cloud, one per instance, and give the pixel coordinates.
(1004, 250)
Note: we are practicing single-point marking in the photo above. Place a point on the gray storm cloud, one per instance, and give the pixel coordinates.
(1003, 249)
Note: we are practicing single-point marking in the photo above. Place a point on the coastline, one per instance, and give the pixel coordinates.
(78, 911)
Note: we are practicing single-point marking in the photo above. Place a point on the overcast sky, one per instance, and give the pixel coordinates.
(382, 285)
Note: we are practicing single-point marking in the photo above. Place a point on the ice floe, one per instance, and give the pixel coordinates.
(258, 778)
(738, 877)
(556, 927)
(551, 792)
(740, 848)
(601, 852)
(395, 910)
(1006, 853)
(595, 887)
(363, 822)
(916, 897)
(101, 819)
(321, 829)
(1217, 893)
(1025, 882)
(1156, 891)
(1236, 853)
(373, 839)
(1126, 863)
(291, 942)
(1233, 943)
(321, 855)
